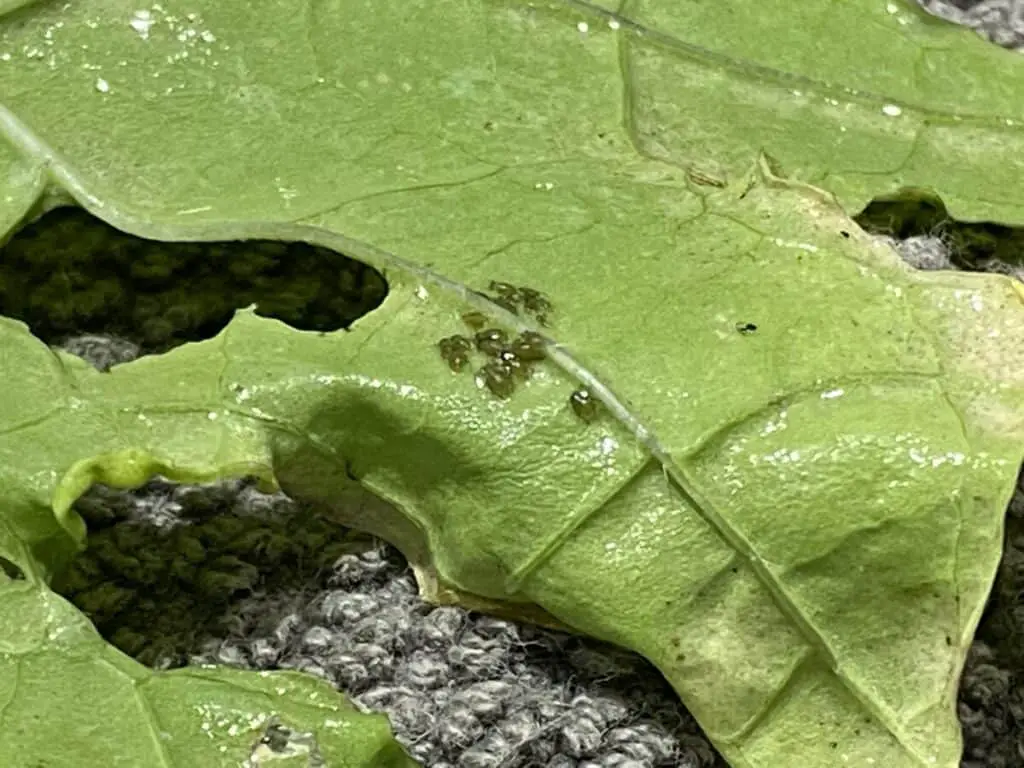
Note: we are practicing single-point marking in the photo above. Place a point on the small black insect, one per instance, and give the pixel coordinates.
(507, 296)
(498, 377)
(506, 303)
(530, 346)
(584, 405)
(520, 368)
(746, 327)
(455, 351)
(534, 301)
(491, 340)
(504, 290)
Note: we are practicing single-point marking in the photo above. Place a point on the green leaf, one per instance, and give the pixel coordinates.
(69, 698)
(798, 523)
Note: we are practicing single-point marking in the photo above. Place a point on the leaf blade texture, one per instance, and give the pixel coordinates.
(798, 524)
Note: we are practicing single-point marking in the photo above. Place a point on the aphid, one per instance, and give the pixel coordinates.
(746, 327)
(509, 296)
(529, 346)
(498, 377)
(455, 351)
(505, 290)
(475, 320)
(506, 303)
(534, 301)
(520, 368)
(491, 340)
(584, 405)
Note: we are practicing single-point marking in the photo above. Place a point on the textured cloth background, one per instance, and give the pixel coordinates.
(224, 574)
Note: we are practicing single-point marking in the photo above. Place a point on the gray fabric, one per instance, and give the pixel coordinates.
(1001, 21)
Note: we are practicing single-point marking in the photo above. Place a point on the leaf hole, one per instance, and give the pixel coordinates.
(11, 570)
(279, 743)
(72, 277)
(931, 239)
(170, 570)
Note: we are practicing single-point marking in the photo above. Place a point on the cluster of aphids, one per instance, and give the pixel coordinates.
(517, 298)
(509, 361)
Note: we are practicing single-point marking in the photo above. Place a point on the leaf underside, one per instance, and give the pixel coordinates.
(798, 523)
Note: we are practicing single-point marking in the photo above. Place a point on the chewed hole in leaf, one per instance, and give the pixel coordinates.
(10, 571)
(168, 568)
(70, 274)
(279, 744)
(915, 216)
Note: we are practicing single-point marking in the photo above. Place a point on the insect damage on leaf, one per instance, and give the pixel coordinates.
(497, 377)
(10, 571)
(513, 298)
(490, 341)
(455, 351)
(279, 744)
(506, 361)
(517, 299)
(70, 275)
(980, 246)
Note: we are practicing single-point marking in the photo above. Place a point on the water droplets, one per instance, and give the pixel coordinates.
(603, 454)
(286, 192)
(776, 424)
(141, 21)
(187, 37)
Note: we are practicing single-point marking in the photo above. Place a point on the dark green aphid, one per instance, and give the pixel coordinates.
(529, 346)
(475, 320)
(520, 368)
(584, 405)
(498, 377)
(506, 303)
(507, 296)
(455, 351)
(504, 290)
(534, 301)
(491, 341)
